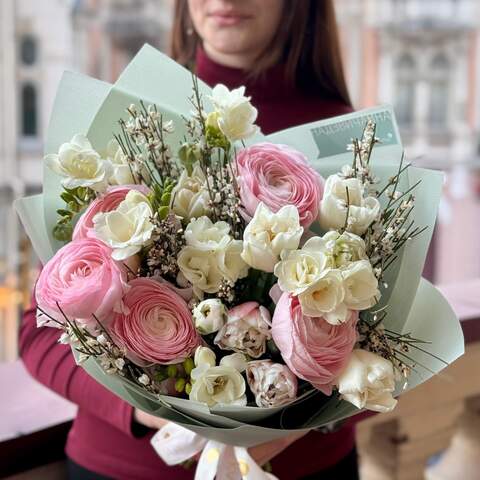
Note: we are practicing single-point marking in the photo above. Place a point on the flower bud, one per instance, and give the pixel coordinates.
(209, 316)
(203, 355)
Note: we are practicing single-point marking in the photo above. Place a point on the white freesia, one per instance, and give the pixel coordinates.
(190, 196)
(236, 115)
(121, 173)
(127, 228)
(238, 361)
(210, 256)
(231, 263)
(268, 234)
(273, 384)
(203, 234)
(324, 298)
(300, 269)
(204, 356)
(200, 268)
(222, 385)
(361, 285)
(343, 249)
(368, 382)
(209, 316)
(333, 207)
(80, 165)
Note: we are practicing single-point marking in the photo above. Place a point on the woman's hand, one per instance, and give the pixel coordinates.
(261, 453)
(147, 420)
(266, 451)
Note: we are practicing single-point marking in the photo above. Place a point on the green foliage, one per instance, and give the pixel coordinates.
(76, 199)
(160, 198)
(188, 365)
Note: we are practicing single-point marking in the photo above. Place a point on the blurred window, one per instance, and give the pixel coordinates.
(405, 72)
(28, 50)
(29, 110)
(439, 91)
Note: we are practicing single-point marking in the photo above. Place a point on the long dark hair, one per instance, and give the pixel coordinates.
(307, 42)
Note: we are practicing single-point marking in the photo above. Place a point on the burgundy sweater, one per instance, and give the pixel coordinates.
(101, 437)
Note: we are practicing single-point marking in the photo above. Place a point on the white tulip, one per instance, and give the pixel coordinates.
(361, 285)
(268, 234)
(368, 382)
(222, 385)
(333, 207)
(127, 228)
(121, 171)
(80, 165)
(209, 316)
(236, 115)
(204, 356)
(190, 196)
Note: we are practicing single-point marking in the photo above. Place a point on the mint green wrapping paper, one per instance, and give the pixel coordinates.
(85, 105)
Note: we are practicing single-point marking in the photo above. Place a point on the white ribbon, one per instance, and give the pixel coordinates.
(176, 444)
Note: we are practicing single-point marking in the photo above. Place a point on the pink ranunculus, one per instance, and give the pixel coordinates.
(105, 203)
(84, 279)
(278, 175)
(312, 348)
(158, 327)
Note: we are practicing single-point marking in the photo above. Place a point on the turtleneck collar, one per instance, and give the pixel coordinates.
(268, 86)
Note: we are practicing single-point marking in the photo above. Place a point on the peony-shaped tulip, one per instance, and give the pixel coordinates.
(84, 280)
(107, 202)
(80, 165)
(278, 175)
(158, 327)
(246, 331)
(273, 384)
(368, 382)
(313, 349)
(344, 195)
(268, 234)
(127, 228)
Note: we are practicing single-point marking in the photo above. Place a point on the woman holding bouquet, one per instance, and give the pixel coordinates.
(287, 55)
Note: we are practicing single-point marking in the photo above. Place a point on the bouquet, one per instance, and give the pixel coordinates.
(238, 285)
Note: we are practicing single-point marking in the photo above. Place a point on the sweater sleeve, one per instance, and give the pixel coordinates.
(53, 365)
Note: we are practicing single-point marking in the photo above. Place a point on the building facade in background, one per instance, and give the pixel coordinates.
(36, 48)
(108, 33)
(423, 57)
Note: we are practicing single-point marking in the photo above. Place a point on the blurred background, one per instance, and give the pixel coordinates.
(423, 56)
